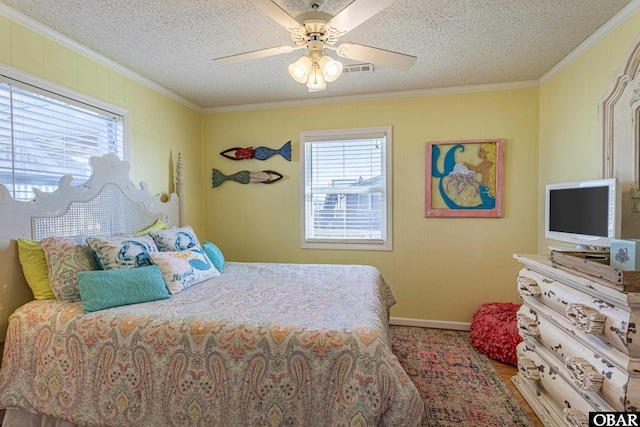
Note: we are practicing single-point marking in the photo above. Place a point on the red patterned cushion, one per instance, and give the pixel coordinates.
(494, 331)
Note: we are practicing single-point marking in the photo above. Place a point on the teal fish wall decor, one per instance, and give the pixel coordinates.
(259, 153)
(246, 177)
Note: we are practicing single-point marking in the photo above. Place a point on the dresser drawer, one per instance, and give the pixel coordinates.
(590, 371)
(590, 314)
(554, 400)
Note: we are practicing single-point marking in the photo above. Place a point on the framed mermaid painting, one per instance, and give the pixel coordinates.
(464, 178)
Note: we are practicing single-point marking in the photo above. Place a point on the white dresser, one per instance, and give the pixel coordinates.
(580, 351)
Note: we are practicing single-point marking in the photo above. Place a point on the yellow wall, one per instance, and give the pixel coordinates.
(160, 126)
(440, 268)
(570, 141)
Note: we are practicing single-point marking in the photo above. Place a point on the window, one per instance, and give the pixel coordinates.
(346, 188)
(45, 135)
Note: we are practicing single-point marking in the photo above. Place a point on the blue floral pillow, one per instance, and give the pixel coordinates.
(114, 252)
(175, 239)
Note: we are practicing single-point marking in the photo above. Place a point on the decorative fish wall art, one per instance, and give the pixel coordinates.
(259, 153)
(246, 177)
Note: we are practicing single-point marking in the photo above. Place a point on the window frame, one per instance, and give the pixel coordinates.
(41, 86)
(386, 244)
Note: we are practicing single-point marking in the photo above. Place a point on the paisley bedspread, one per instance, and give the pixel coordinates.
(262, 344)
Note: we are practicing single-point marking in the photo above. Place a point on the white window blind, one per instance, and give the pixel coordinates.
(44, 137)
(347, 197)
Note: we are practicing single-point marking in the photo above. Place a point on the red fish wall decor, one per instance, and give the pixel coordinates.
(259, 153)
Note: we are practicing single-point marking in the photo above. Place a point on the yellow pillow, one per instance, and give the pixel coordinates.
(34, 267)
(156, 226)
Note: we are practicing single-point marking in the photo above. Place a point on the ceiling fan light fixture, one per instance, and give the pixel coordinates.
(318, 31)
(300, 69)
(316, 81)
(331, 69)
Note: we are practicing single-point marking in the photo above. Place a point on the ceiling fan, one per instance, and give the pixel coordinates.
(317, 31)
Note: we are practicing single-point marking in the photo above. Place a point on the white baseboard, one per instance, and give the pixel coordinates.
(436, 324)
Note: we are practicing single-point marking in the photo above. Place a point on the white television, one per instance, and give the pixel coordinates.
(586, 214)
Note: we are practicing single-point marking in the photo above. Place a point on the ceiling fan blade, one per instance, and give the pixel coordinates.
(356, 13)
(381, 57)
(256, 54)
(276, 13)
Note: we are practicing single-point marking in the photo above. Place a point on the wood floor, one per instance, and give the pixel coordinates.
(506, 371)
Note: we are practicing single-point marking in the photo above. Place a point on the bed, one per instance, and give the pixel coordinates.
(255, 344)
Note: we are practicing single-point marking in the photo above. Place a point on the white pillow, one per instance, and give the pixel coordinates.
(181, 269)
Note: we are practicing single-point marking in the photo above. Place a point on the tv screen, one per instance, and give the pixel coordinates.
(586, 213)
(580, 210)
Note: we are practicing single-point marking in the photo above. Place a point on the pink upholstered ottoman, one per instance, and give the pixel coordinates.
(494, 331)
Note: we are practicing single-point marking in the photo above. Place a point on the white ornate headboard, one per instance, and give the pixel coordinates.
(107, 203)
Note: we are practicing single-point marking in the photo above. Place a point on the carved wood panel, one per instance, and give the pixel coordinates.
(620, 126)
(620, 114)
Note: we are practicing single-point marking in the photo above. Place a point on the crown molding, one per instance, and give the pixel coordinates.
(375, 96)
(36, 26)
(594, 38)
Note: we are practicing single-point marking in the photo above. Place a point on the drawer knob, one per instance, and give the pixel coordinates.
(586, 319)
(583, 374)
(575, 418)
(528, 286)
(527, 325)
(528, 368)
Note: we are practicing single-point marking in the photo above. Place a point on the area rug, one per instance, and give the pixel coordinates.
(459, 386)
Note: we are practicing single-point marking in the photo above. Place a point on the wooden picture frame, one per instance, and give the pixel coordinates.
(464, 178)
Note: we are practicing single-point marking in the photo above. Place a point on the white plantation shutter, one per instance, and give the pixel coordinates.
(346, 189)
(44, 136)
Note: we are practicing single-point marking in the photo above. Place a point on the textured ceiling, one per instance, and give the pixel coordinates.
(456, 42)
